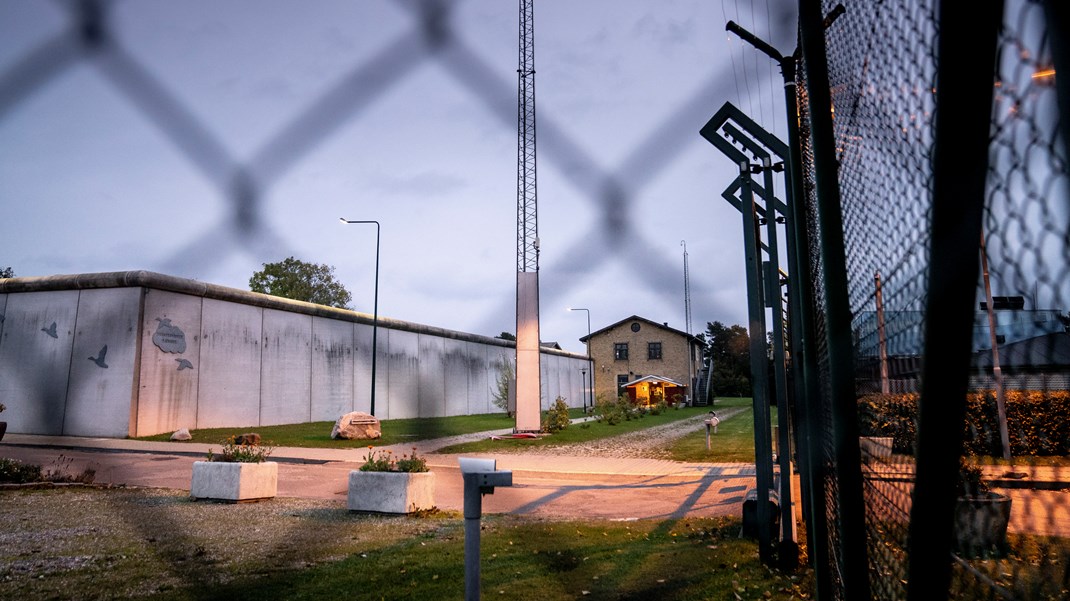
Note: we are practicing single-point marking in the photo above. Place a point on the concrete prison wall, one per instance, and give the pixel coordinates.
(140, 353)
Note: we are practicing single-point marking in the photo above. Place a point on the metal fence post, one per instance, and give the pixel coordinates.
(763, 451)
(852, 522)
(966, 55)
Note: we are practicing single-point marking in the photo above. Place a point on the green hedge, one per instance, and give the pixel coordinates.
(1038, 422)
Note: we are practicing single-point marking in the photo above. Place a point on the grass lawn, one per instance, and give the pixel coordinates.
(143, 543)
(318, 434)
(733, 442)
(576, 433)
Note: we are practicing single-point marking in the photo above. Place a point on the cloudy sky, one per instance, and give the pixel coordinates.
(203, 138)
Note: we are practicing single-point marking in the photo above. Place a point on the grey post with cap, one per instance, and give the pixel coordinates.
(480, 478)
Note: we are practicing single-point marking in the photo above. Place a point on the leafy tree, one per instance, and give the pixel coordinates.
(506, 336)
(7, 272)
(296, 279)
(500, 392)
(728, 352)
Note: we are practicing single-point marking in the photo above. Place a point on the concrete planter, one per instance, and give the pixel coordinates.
(391, 492)
(227, 481)
(981, 525)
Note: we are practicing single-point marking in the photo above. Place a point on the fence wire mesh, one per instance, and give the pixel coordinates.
(883, 62)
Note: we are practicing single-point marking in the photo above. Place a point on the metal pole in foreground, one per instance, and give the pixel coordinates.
(480, 478)
(375, 309)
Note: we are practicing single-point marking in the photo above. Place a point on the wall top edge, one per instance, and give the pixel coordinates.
(159, 281)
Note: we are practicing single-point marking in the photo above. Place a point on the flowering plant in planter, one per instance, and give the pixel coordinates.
(235, 451)
(388, 484)
(240, 473)
(384, 461)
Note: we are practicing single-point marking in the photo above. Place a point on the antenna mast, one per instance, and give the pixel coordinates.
(528, 389)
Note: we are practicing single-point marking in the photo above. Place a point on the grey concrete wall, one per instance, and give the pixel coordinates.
(170, 362)
(333, 359)
(101, 382)
(229, 390)
(286, 368)
(35, 359)
(182, 353)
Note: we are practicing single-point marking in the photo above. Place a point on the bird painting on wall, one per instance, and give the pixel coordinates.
(184, 364)
(99, 359)
(50, 330)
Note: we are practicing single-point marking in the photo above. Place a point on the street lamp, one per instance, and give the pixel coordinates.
(591, 381)
(375, 309)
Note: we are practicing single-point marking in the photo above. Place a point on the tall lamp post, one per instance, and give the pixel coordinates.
(589, 361)
(375, 309)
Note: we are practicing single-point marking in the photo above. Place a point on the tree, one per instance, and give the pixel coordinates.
(728, 354)
(7, 272)
(293, 278)
(500, 392)
(506, 336)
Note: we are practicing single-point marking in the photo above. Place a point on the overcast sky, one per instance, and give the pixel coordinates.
(345, 108)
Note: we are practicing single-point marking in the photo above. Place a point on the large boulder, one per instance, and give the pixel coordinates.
(357, 425)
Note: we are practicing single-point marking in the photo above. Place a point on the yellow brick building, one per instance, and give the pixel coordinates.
(637, 348)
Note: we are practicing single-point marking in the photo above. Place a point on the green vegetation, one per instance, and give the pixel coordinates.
(557, 418)
(296, 279)
(385, 461)
(1038, 422)
(733, 442)
(13, 471)
(241, 452)
(318, 434)
(143, 543)
(581, 432)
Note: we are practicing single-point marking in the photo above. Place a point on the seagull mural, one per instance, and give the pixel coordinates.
(184, 364)
(50, 330)
(99, 359)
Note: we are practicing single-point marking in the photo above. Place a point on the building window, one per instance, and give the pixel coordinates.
(653, 351)
(622, 379)
(620, 351)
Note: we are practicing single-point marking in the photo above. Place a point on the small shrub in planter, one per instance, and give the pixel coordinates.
(388, 484)
(240, 472)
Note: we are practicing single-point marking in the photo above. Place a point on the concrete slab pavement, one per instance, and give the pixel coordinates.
(544, 485)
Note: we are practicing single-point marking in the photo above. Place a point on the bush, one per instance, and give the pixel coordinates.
(384, 461)
(659, 407)
(616, 411)
(1038, 422)
(233, 452)
(556, 418)
(608, 411)
(13, 471)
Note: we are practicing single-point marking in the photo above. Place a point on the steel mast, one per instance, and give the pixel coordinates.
(528, 389)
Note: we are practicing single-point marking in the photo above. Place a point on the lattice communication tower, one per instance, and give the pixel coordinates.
(527, 229)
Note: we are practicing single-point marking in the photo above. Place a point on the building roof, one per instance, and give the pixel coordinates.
(654, 379)
(1049, 350)
(662, 326)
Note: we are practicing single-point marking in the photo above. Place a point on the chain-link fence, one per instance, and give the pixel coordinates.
(887, 72)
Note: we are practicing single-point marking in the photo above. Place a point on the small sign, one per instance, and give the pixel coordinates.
(169, 338)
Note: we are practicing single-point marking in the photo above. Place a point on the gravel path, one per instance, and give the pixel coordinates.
(648, 443)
